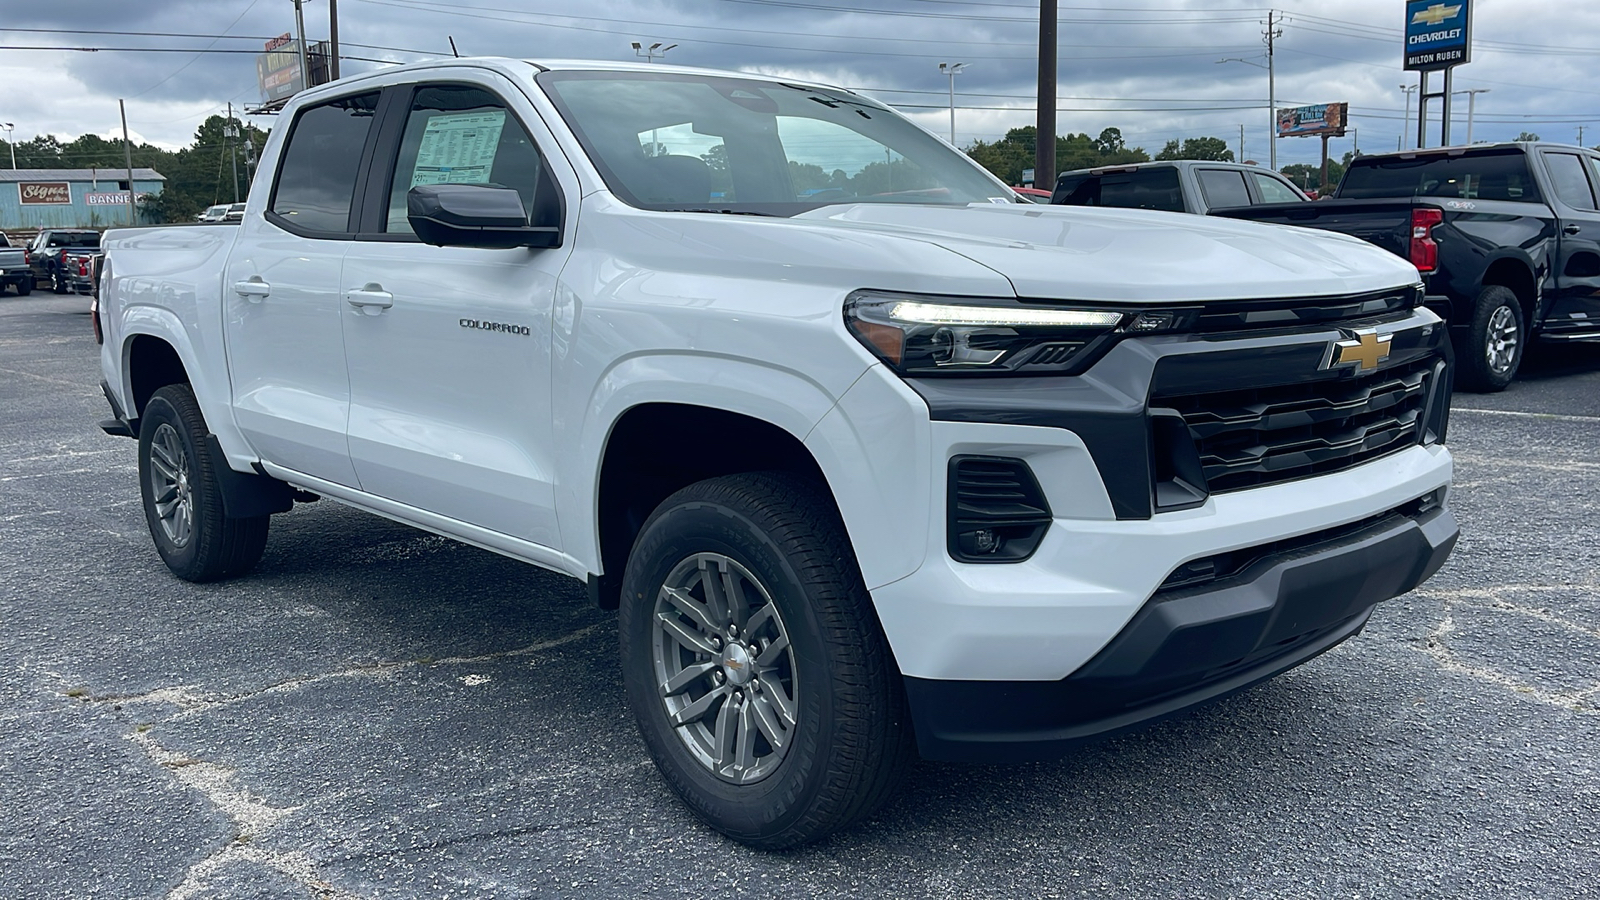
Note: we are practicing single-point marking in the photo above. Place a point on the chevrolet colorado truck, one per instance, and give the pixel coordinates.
(1506, 236)
(869, 456)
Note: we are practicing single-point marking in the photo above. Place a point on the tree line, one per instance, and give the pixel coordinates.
(197, 176)
(1008, 157)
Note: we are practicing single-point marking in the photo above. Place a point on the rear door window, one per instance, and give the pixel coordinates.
(1154, 188)
(1223, 187)
(1571, 182)
(317, 178)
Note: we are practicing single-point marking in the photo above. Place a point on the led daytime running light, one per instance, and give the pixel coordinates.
(915, 313)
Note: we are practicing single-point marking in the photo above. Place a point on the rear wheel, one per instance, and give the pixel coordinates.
(1495, 340)
(754, 663)
(25, 287)
(192, 531)
(58, 281)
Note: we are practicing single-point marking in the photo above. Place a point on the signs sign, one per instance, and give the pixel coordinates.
(1307, 121)
(39, 193)
(107, 198)
(278, 70)
(1438, 34)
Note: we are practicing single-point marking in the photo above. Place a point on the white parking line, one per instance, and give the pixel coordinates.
(1524, 415)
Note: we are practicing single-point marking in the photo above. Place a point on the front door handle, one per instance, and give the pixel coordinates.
(372, 299)
(1572, 229)
(252, 288)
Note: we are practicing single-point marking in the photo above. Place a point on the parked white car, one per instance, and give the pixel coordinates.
(213, 213)
(872, 456)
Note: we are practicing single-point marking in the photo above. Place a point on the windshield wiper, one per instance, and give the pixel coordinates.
(727, 212)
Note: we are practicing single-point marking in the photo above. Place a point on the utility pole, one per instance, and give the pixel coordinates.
(229, 132)
(333, 39)
(1044, 145)
(1408, 90)
(1273, 33)
(953, 69)
(1580, 135)
(300, 33)
(127, 157)
(1241, 144)
(11, 141)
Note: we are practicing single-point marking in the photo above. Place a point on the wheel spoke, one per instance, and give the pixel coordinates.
(745, 755)
(781, 701)
(690, 607)
(164, 453)
(738, 609)
(711, 578)
(723, 736)
(767, 721)
(696, 642)
(166, 508)
(760, 617)
(681, 681)
(697, 710)
(163, 468)
(167, 496)
(774, 650)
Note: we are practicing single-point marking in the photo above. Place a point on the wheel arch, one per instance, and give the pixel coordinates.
(638, 470)
(1516, 274)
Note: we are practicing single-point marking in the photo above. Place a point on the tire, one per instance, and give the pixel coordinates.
(25, 287)
(1493, 343)
(815, 735)
(58, 284)
(182, 500)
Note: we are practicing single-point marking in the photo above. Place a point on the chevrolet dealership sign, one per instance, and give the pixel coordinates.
(1438, 35)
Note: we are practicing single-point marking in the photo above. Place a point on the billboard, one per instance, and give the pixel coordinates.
(39, 193)
(1438, 35)
(1309, 121)
(278, 70)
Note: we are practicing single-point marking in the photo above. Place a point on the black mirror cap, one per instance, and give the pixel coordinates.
(474, 215)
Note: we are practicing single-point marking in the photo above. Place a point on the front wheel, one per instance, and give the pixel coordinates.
(1495, 340)
(192, 531)
(754, 663)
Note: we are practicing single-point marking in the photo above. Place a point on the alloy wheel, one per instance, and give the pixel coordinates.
(169, 482)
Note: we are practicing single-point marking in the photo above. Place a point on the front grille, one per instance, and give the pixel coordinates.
(1252, 438)
(1253, 315)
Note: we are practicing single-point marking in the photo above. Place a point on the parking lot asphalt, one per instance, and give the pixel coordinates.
(380, 713)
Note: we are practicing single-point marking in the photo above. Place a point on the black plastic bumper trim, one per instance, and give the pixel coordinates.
(1187, 648)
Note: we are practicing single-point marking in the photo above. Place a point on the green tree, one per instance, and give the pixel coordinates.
(1009, 156)
(1208, 148)
(1529, 137)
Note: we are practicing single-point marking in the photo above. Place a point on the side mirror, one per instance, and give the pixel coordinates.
(475, 215)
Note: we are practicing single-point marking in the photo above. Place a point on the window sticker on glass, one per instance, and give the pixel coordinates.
(459, 148)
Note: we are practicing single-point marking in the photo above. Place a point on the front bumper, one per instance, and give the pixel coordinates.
(1189, 647)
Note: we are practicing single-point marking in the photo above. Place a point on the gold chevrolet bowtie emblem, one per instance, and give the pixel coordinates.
(1367, 349)
(1435, 14)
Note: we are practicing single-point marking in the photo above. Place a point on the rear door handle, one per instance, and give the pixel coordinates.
(1572, 229)
(252, 288)
(372, 299)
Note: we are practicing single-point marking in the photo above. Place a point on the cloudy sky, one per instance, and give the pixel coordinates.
(1148, 67)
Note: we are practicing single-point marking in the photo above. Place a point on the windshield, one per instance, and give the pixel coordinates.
(676, 141)
(1501, 175)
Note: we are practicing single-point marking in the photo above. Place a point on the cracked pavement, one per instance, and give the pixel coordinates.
(380, 713)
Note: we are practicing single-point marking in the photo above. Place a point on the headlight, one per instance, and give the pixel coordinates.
(945, 335)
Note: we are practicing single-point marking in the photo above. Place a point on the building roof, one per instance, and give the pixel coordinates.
(106, 174)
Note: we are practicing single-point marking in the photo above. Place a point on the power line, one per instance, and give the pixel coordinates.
(197, 55)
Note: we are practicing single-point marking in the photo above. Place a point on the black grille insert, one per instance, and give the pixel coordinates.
(998, 512)
(1253, 438)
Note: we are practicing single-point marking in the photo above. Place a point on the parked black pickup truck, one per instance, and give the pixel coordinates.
(46, 252)
(1507, 237)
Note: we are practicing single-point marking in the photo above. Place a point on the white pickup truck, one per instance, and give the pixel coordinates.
(871, 456)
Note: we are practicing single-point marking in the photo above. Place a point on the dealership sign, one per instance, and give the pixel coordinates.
(43, 192)
(1438, 35)
(107, 198)
(278, 70)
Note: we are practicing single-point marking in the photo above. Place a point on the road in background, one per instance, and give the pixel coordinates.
(381, 713)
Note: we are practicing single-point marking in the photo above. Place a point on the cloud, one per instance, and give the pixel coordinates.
(1148, 68)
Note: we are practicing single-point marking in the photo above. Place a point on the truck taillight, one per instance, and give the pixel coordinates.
(83, 268)
(1424, 252)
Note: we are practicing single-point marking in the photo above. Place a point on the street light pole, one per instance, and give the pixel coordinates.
(649, 54)
(1044, 139)
(1408, 90)
(1272, 102)
(1472, 105)
(952, 69)
(300, 29)
(11, 141)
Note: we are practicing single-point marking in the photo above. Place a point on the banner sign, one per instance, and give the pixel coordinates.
(278, 70)
(1438, 35)
(107, 198)
(43, 192)
(1309, 121)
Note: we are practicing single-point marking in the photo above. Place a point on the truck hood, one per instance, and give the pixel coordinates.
(1134, 256)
